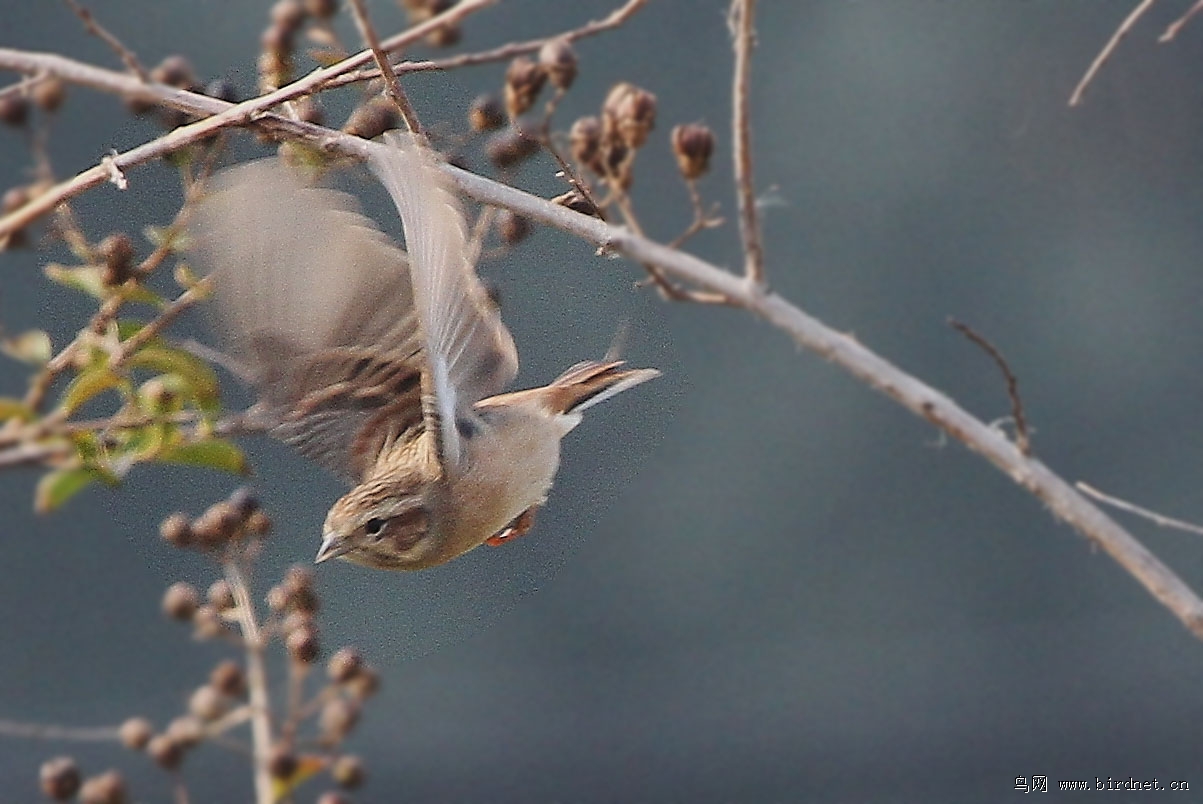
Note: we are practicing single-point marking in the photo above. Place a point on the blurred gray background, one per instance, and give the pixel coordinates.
(756, 580)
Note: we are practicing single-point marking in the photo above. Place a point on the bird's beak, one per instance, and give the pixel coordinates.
(332, 547)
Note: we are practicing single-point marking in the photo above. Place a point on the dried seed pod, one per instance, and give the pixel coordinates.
(629, 114)
(14, 199)
(364, 684)
(186, 730)
(337, 718)
(303, 645)
(166, 752)
(217, 525)
(585, 138)
(277, 598)
(174, 71)
(227, 678)
(207, 704)
(310, 110)
(559, 61)
(486, 113)
(508, 148)
(348, 772)
(176, 530)
(59, 778)
(107, 788)
(181, 601)
(258, 523)
(281, 762)
(344, 665)
(444, 36)
(14, 109)
(243, 501)
(322, 9)
(372, 118)
(117, 252)
(135, 733)
(49, 94)
(220, 595)
(512, 228)
(692, 145)
(207, 623)
(523, 80)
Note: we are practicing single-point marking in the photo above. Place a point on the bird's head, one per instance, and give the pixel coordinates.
(382, 524)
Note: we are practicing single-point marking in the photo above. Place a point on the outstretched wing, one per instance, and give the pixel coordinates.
(470, 352)
(317, 308)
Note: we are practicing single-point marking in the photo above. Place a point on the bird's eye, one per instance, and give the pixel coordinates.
(373, 526)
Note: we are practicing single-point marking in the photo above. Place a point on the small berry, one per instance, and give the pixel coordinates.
(207, 704)
(281, 762)
(523, 80)
(59, 778)
(135, 733)
(344, 665)
(692, 145)
(303, 645)
(107, 788)
(227, 678)
(176, 530)
(166, 752)
(486, 113)
(512, 228)
(348, 772)
(559, 61)
(180, 601)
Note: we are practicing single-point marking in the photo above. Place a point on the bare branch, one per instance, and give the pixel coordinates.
(1132, 508)
(391, 82)
(1177, 25)
(1104, 54)
(49, 731)
(741, 21)
(127, 56)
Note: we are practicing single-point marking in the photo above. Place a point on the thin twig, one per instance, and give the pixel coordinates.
(134, 342)
(48, 731)
(127, 56)
(1132, 508)
(504, 53)
(741, 22)
(391, 82)
(1022, 439)
(1178, 24)
(1104, 54)
(256, 679)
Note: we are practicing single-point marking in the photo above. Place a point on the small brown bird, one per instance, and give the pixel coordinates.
(385, 368)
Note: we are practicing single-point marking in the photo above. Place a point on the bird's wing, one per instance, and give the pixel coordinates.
(316, 305)
(470, 352)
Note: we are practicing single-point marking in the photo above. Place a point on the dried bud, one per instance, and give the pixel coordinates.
(512, 228)
(180, 601)
(220, 595)
(217, 525)
(14, 109)
(185, 730)
(206, 703)
(59, 778)
(578, 203)
(243, 501)
(344, 665)
(508, 148)
(374, 117)
(692, 145)
(288, 15)
(176, 530)
(585, 138)
(135, 733)
(277, 598)
(258, 523)
(174, 71)
(281, 763)
(222, 89)
(166, 752)
(49, 94)
(444, 36)
(629, 114)
(117, 251)
(559, 61)
(302, 645)
(107, 788)
(523, 80)
(322, 9)
(364, 684)
(309, 110)
(348, 772)
(226, 677)
(486, 113)
(299, 577)
(337, 718)
(207, 623)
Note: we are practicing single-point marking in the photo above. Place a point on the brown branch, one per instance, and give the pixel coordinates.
(391, 82)
(503, 53)
(1021, 425)
(1177, 25)
(1104, 54)
(127, 56)
(741, 22)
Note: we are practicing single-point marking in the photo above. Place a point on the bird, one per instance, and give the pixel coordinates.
(385, 365)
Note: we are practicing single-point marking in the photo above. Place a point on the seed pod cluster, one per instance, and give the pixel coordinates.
(226, 522)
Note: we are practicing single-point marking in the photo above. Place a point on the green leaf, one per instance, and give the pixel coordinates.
(86, 385)
(60, 485)
(28, 347)
(14, 409)
(200, 381)
(213, 453)
(89, 279)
